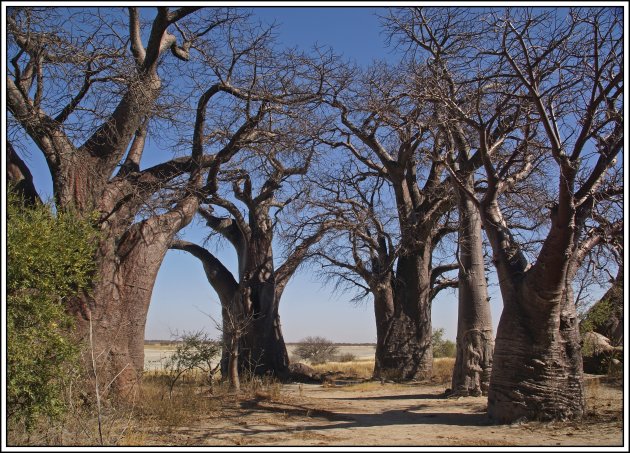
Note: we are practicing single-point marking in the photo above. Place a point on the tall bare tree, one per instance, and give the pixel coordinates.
(263, 182)
(361, 248)
(85, 95)
(387, 131)
(438, 39)
(560, 74)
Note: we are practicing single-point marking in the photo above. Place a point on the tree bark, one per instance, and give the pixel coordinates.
(263, 348)
(118, 325)
(384, 312)
(475, 342)
(537, 366)
(20, 176)
(537, 372)
(404, 351)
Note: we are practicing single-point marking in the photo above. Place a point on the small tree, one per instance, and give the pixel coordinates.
(49, 261)
(316, 349)
(442, 347)
(196, 351)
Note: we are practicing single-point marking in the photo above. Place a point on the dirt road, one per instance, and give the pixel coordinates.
(390, 414)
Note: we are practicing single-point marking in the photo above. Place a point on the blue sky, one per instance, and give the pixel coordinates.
(308, 306)
(182, 297)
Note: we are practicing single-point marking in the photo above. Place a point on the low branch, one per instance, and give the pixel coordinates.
(218, 275)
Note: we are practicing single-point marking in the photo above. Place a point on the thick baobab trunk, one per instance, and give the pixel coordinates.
(537, 366)
(263, 348)
(475, 342)
(537, 369)
(383, 312)
(405, 350)
(117, 308)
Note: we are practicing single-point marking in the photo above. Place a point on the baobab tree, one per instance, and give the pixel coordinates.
(438, 40)
(254, 191)
(564, 93)
(361, 248)
(86, 96)
(385, 129)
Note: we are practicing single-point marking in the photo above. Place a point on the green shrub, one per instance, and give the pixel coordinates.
(49, 259)
(195, 352)
(596, 316)
(442, 347)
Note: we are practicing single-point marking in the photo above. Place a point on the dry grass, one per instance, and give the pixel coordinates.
(360, 368)
(602, 396)
(151, 409)
(443, 370)
(193, 405)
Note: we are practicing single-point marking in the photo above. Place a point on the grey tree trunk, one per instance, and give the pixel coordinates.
(537, 367)
(233, 373)
(475, 342)
(537, 372)
(118, 326)
(263, 349)
(383, 311)
(404, 351)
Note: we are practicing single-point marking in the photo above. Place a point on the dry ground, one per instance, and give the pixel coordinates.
(366, 414)
(375, 414)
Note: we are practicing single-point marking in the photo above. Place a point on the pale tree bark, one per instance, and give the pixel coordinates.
(475, 336)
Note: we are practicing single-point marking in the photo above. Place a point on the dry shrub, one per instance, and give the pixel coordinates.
(443, 370)
(80, 426)
(346, 357)
(189, 401)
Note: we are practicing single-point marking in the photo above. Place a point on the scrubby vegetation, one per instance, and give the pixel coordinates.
(50, 261)
(316, 350)
(442, 347)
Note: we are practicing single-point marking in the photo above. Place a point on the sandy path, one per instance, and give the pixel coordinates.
(411, 415)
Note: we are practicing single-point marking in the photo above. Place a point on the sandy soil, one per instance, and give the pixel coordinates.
(387, 415)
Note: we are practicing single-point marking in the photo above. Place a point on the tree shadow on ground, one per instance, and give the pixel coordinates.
(407, 416)
(411, 396)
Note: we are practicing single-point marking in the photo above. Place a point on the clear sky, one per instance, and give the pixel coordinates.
(182, 297)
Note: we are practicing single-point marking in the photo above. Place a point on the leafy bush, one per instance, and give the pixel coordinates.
(316, 350)
(596, 316)
(442, 347)
(196, 351)
(49, 260)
